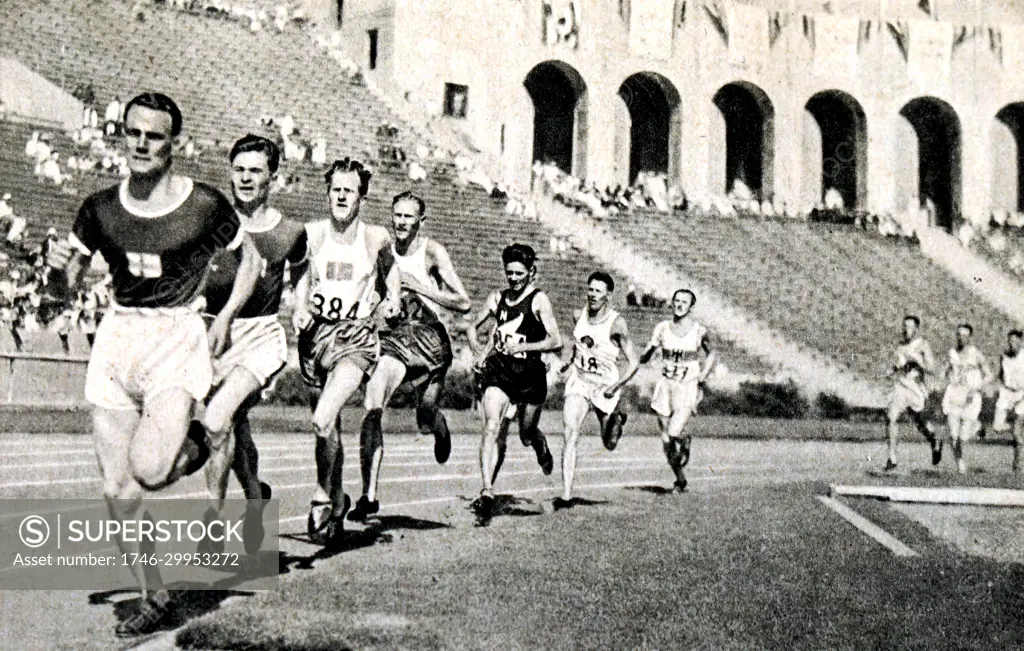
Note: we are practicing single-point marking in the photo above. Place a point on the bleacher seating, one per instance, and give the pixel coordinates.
(471, 224)
(836, 289)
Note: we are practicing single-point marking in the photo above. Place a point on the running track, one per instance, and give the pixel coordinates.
(413, 484)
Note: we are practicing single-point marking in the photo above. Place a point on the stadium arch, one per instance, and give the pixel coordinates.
(559, 96)
(938, 157)
(749, 138)
(655, 126)
(1008, 158)
(835, 147)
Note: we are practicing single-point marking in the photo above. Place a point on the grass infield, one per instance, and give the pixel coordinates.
(744, 568)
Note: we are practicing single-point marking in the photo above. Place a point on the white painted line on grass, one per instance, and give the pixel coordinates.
(878, 534)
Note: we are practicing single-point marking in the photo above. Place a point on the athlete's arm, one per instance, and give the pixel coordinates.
(652, 345)
(454, 297)
(73, 254)
(300, 314)
(553, 340)
(620, 337)
(391, 302)
(245, 282)
(927, 358)
(710, 357)
(577, 314)
(489, 310)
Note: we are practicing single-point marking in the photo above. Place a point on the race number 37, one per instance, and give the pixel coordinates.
(144, 265)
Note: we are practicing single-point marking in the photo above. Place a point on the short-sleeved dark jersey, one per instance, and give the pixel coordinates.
(283, 242)
(156, 260)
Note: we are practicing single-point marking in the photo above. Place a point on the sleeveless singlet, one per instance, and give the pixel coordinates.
(518, 324)
(679, 353)
(967, 369)
(596, 353)
(1013, 372)
(416, 307)
(343, 276)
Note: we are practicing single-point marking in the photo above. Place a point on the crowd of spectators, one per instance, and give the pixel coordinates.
(28, 302)
(254, 16)
(1001, 239)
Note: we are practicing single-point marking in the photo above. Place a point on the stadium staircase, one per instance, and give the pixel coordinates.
(981, 274)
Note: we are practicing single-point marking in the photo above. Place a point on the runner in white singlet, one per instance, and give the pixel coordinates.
(1011, 395)
(681, 341)
(910, 392)
(336, 307)
(968, 372)
(594, 380)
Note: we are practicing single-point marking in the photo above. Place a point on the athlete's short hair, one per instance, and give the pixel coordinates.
(158, 102)
(1016, 333)
(263, 145)
(520, 253)
(409, 195)
(604, 278)
(914, 318)
(693, 297)
(347, 165)
(967, 327)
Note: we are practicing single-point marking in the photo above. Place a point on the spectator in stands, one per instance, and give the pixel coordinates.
(631, 297)
(3, 111)
(6, 212)
(318, 155)
(112, 117)
(965, 234)
(416, 172)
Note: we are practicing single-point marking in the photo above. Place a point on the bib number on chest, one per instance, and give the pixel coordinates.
(144, 265)
(332, 309)
(502, 340)
(588, 364)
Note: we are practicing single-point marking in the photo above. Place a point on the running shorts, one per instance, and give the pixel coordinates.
(674, 397)
(424, 348)
(258, 345)
(139, 354)
(325, 344)
(592, 387)
(522, 380)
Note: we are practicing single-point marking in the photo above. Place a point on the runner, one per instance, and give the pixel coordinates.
(258, 347)
(510, 369)
(678, 392)
(910, 392)
(151, 361)
(599, 338)
(968, 372)
(336, 304)
(1011, 395)
(417, 350)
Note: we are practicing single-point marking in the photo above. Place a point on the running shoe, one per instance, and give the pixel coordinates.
(483, 506)
(364, 508)
(319, 515)
(252, 526)
(612, 431)
(559, 504)
(544, 458)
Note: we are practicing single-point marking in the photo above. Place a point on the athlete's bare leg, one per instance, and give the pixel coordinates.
(246, 464)
(956, 437)
(341, 383)
(676, 444)
(574, 412)
(218, 420)
(892, 429)
(430, 420)
(1018, 442)
(113, 431)
(383, 383)
(156, 451)
(529, 419)
(494, 404)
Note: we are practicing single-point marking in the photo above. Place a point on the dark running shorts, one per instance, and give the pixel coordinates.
(425, 349)
(325, 344)
(524, 381)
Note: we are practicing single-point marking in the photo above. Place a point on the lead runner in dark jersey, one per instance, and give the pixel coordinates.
(151, 360)
(258, 348)
(511, 370)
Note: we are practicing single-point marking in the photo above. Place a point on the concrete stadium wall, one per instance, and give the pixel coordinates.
(492, 47)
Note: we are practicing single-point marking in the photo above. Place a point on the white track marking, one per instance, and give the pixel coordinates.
(57, 464)
(878, 534)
